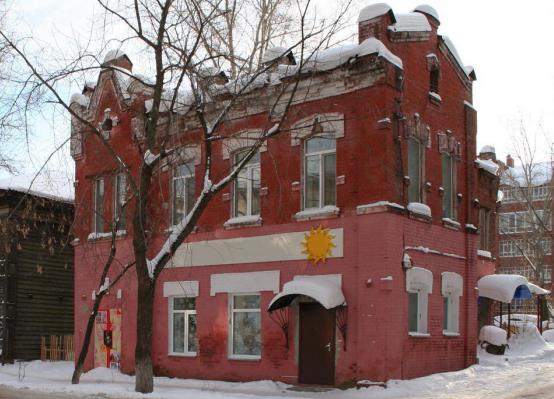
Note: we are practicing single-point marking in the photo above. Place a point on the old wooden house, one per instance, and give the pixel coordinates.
(36, 270)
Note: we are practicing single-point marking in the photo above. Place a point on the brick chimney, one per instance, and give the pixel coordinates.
(117, 58)
(374, 20)
(509, 161)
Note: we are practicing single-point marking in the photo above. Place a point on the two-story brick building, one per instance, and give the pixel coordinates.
(348, 247)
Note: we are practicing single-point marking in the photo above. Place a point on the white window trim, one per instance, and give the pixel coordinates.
(230, 354)
(420, 281)
(320, 155)
(249, 168)
(452, 286)
(186, 314)
(188, 178)
(422, 313)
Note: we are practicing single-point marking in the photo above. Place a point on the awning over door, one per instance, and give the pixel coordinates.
(325, 291)
(504, 287)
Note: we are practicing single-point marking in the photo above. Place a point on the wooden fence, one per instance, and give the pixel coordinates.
(57, 347)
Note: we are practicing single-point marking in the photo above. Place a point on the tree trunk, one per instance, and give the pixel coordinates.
(144, 379)
(86, 342)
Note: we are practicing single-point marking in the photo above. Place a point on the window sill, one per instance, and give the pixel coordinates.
(419, 335)
(450, 334)
(189, 355)
(245, 357)
(105, 236)
(451, 224)
(419, 212)
(435, 98)
(243, 221)
(328, 211)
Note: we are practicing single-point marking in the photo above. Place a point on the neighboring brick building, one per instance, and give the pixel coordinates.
(381, 152)
(524, 242)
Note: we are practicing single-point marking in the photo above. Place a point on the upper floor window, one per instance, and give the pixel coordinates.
(434, 76)
(183, 191)
(319, 171)
(98, 211)
(415, 169)
(246, 189)
(484, 229)
(448, 185)
(120, 196)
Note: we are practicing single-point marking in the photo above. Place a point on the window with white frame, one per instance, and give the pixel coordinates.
(452, 286)
(419, 284)
(98, 214)
(448, 185)
(183, 339)
(120, 196)
(246, 188)
(245, 340)
(320, 171)
(415, 169)
(183, 191)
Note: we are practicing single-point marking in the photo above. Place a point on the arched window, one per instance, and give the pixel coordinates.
(449, 185)
(320, 171)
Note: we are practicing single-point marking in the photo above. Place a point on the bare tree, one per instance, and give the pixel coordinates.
(183, 41)
(529, 187)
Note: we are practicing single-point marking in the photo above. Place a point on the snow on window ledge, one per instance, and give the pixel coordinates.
(419, 209)
(450, 223)
(245, 357)
(435, 97)
(378, 206)
(240, 221)
(419, 334)
(317, 213)
(484, 254)
(471, 227)
(450, 333)
(101, 236)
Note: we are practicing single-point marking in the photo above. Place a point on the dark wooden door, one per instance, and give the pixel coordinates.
(316, 363)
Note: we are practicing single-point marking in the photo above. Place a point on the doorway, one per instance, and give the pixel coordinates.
(316, 360)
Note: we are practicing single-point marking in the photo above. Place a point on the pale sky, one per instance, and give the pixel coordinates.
(507, 41)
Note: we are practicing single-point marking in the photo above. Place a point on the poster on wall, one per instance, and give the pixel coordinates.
(107, 339)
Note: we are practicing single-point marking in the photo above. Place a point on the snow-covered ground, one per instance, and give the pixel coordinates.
(527, 367)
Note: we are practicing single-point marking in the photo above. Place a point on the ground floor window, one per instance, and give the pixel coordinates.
(419, 284)
(245, 327)
(183, 339)
(451, 289)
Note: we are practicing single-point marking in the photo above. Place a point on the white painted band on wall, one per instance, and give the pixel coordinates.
(181, 288)
(235, 283)
(266, 248)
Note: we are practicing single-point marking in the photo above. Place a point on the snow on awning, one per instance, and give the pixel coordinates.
(504, 287)
(535, 289)
(325, 291)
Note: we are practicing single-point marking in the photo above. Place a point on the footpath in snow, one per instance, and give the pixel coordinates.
(527, 365)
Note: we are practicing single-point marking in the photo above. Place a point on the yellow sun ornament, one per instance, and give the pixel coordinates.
(318, 244)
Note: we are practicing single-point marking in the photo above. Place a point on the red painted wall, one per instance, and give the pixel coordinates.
(373, 160)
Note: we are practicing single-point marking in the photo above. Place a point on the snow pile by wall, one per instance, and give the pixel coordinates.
(527, 341)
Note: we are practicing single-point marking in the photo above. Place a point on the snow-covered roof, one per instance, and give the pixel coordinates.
(327, 292)
(373, 11)
(448, 43)
(335, 56)
(53, 185)
(501, 287)
(80, 99)
(535, 289)
(535, 174)
(487, 165)
(182, 104)
(113, 55)
(273, 53)
(412, 22)
(487, 148)
(427, 9)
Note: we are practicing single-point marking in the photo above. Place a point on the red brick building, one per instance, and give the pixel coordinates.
(381, 152)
